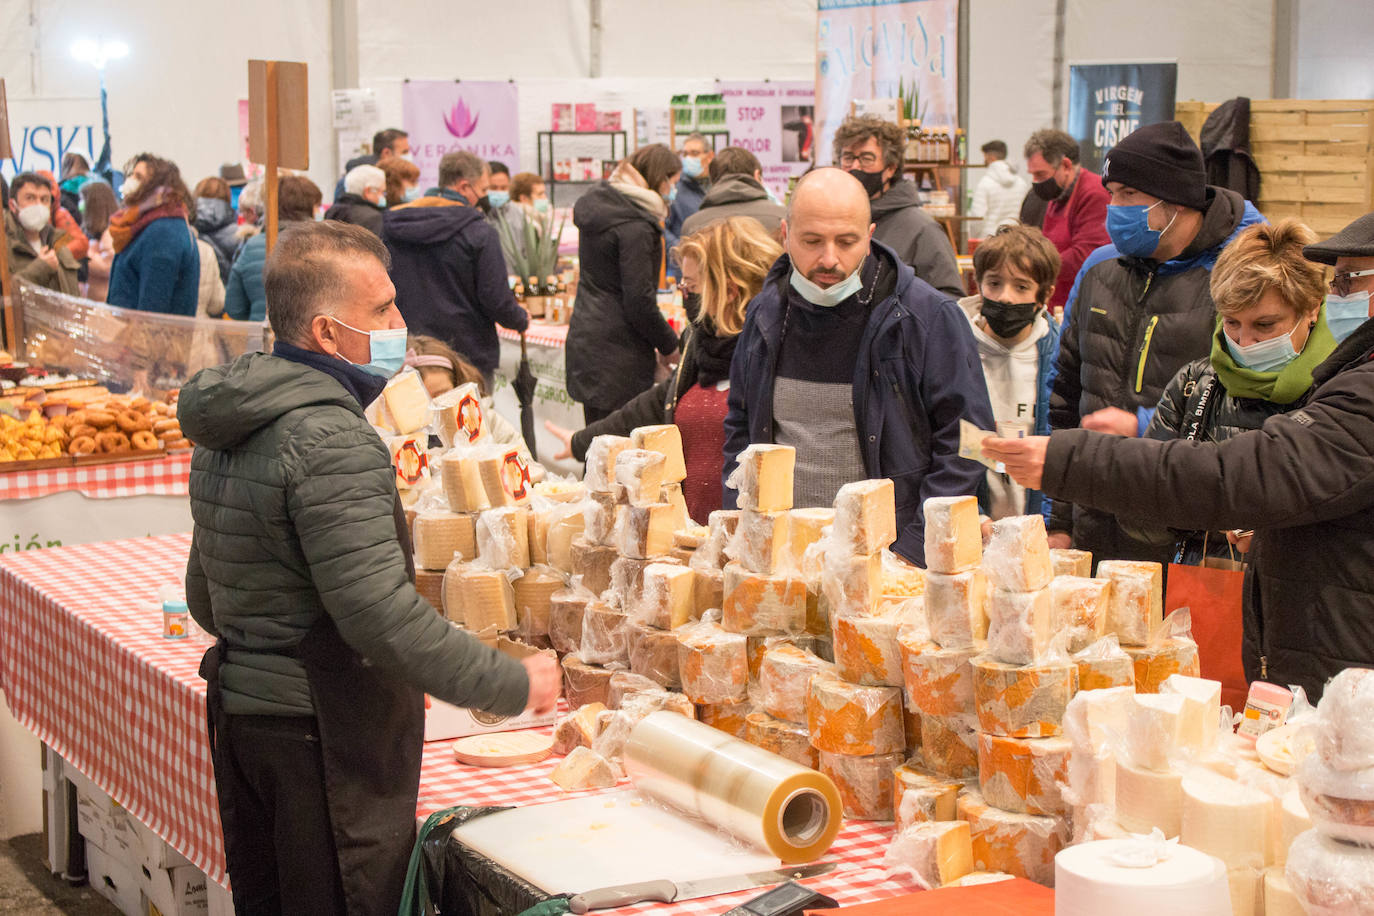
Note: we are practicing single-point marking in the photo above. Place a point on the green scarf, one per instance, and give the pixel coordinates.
(1282, 387)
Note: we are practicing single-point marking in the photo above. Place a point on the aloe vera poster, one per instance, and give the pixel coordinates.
(880, 49)
(446, 116)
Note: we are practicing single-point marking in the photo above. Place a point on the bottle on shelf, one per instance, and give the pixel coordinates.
(961, 145)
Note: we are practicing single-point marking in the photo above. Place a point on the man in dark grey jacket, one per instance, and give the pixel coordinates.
(736, 190)
(300, 565)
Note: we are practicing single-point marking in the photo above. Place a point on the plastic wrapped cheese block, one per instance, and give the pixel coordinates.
(852, 584)
(1148, 799)
(731, 718)
(577, 729)
(462, 480)
(626, 684)
(583, 769)
(438, 535)
(1079, 608)
(865, 783)
(1201, 717)
(461, 421)
(911, 724)
(1226, 819)
(804, 529)
(503, 538)
(708, 590)
(605, 640)
(949, 745)
(939, 681)
(410, 460)
(671, 493)
(937, 853)
(1140, 876)
(954, 538)
(1154, 730)
(566, 610)
(646, 531)
(562, 531)
(781, 737)
(865, 516)
(1331, 878)
(1022, 701)
(1066, 562)
(720, 528)
(600, 517)
(758, 605)
(714, 663)
(407, 401)
(919, 796)
(763, 477)
(785, 673)
(505, 475)
(957, 608)
(1023, 845)
(866, 649)
(665, 596)
(1017, 557)
(1020, 626)
(533, 593)
(1279, 899)
(1103, 665)
(600, 462)
(639, 476)
(1340, 802)
(584, 683)
(430, 585)
(1156, 662)
(1095, 721)
(760, 543)
(484, 598)
(1137, 600)
(653, 654)
(1345, 726)
(592, 562)
(844, 718)
(666, 439)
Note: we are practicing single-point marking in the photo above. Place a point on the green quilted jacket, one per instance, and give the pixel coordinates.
(294, 502)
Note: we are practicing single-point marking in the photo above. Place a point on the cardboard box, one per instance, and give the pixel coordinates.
(152, 850)
(103, 821)
(114, 879)
(179, 891)
(444, 721)
(221, 902)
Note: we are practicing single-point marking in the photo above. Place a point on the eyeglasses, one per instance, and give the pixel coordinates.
(1340, 283)
(865, 160)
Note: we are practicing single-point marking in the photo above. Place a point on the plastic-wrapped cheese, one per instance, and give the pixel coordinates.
(533, 593)
(936, 852)
(584, 683)
(566, 610)
(562, 531)
(939, 681)
(439, 534)
(430, 585)
(953, 535)
(1137, 600)
(1146, 799)
(1017, 557)
(714, 664)
(410, 461)
(592, 562)
(1331, 878)
(639, 476)
(600, 462)
(785, 673)
(1279, 899)
(1103, 665)
(866, 649)
(851, 583)
(1023, 845)
(505, 475)
(708, 590)
(484, 598)
(503, 537)
(1022, 701)
(665, 598)
(653, 654)
(1340, 802)
(577, 729)
(1066, 562)
(957, 608)
(604, 637)
(1020, 627)
(763, 477)
(1154, 730)
(462, 480)
(864, 783)
(949, 745)
(600, 517)
(460, 415)
(1079, 607)
(1345, 728)
(760, 543)
(804, 529)
(1293, 820)
(844, 718)
(1156, 662)
(865, 516)
(779, 736)
(1226, 819)
(407, 401)
(762, 605)
(1023, 774)
(1201, 715)
(1094, 721)
(646, 531)
(666, 439)
(919, 796)
(731, 718)
(584, 768)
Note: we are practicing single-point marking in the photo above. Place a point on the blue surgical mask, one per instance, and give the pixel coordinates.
(691, 166)
(413, 194)
(386, 350)
(541, 205)
(671, 195)
(1346, 313)
(498, 199)
(829, 296)
(1264, 355)
(1130, 229)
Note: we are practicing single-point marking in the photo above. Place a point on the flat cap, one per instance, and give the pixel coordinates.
(1354, 241)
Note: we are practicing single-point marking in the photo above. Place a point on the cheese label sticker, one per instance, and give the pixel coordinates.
(971, 445)
(412, 463)
(515, 475)
(470, 418)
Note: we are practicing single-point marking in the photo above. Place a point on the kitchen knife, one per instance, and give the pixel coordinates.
(672, 891)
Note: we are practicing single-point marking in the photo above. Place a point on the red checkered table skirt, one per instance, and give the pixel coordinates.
(150, 476)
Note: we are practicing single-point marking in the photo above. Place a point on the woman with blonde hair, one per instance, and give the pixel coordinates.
(402, 180)
(723, 267)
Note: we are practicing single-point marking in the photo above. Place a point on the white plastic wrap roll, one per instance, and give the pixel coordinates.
(758, 797)
(1139, 877)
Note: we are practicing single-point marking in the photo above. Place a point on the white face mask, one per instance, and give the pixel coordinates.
(130, 186)
(1264, 355)
(34, 217)
(829, 296)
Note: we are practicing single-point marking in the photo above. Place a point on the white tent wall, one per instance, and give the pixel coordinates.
(1335, 53)
(1010, 74)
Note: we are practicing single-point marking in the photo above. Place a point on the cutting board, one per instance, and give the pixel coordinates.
(580, 844)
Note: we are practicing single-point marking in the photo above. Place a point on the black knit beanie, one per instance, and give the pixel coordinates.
(1161, 160)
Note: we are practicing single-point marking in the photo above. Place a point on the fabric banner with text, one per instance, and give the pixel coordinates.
(775, 122)
(880, 49)
(446, 116)
(42, 131)
(1109, 101)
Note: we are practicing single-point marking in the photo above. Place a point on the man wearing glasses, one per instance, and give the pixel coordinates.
(872, 150)
(1351, 252)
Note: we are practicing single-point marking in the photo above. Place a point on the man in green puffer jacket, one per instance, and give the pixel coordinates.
(300, 566)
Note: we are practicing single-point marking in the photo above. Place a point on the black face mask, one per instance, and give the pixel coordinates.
(1007, 319)
(483, 204)
(691, 304)
(1048, 189)
(872, 181)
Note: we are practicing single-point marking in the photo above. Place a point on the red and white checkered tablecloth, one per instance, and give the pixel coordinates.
(166, 476)
(84, 666)
(546, 335)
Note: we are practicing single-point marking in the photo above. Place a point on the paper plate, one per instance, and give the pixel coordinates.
(1282, 749)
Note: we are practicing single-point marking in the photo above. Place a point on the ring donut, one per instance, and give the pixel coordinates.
(166, 424)
(131, 421)
(143, 440)
(82, 445)
(81, 429)
(141, 404)
(101, 419)
(112, 442)
(176, 445)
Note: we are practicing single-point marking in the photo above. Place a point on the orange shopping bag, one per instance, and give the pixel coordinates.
(1214, 595)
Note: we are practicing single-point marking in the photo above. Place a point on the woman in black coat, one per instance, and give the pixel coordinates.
(616, 327)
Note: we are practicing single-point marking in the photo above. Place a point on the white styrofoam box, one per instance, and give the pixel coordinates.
(114, 879)
(179, 891)
(443, 721)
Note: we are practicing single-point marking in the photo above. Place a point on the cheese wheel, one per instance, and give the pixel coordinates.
(653, 654)
(1293, 820)
(953, 533)
(731, 718)
(503, 537)
(949, 745)
(778, 736)
(866, 649)
(1146, 799)
(865, 516)
(1023, 845)
(1104, 670)
(804, 529)
(1154, 663)
(584, 683)
(939, 681)
(1023, 774)
(1025, 701)
(566, 610)
(1017, 556)
(666, 439)
(1344, 735)
(1279, 899)
(605, 640)
(639, 476)
(851, 583)
(602, 451)
(760, 543)
(762, 605)
(1020, 626)
(785, 674)
(533, 594)
(763, 477)
(919, 796)
(1340, 802)
(646, 531)
(1136, 607)
(1066, 562)
(665, 596)
(1226, 819)
(864, 782)
(462, 481)
(592, 563)
(713, 663)
(957, 608)
(845, 718)
(937, 852)
(1078, 607)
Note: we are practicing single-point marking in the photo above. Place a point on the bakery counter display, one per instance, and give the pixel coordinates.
(53, 431)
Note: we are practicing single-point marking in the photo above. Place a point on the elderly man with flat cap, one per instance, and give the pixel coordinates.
(849, 357)
(1304, 482)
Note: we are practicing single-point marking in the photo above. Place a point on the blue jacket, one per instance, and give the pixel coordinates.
(245, 298)
(158, 271)
(690, 193)
(450, 276)
(917, 376)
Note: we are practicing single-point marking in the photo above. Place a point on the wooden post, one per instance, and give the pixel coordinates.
(278, 126)
(273, 144)
(6, 284)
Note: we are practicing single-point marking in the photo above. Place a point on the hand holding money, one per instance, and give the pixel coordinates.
(1023, 459)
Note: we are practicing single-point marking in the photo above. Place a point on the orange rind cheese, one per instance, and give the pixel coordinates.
(866, 649)
(784, 676)
(1023, 774)
(1098, 671)
(1023, 845)
(713, 663)
(786, 739)
(939, 681)
(919, 796)
(731, 718)
(865, 783)
(1022, 701)
(1136, 606)
(844, 718)
(851, 583)
(1154, 663)
(760, 543)
(1079, 607)
(758, 605)
(957, 608)
(949, 745)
